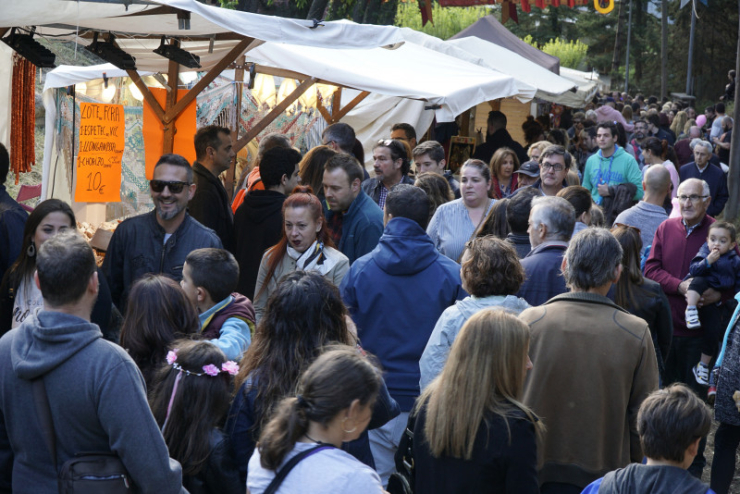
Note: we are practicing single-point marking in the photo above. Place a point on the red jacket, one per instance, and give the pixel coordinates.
(669, 262)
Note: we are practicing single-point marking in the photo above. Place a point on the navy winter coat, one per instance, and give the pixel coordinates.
(723, 274)
(395, 295)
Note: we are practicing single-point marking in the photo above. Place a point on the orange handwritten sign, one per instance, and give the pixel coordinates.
(101, 150)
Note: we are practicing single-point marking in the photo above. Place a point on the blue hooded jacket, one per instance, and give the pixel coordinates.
(723, 274)
(395, 295)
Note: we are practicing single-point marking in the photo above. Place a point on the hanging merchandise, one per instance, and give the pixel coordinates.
(22, 131)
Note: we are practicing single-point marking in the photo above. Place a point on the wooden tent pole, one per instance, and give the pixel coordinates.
(170, 128)
(239, 80)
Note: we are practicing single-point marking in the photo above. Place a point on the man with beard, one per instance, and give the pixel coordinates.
(158, 241)
(639, 138)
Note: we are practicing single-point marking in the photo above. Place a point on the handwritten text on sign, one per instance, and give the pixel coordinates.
(101, 149)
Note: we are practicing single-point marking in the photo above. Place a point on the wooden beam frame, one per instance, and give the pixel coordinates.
(338, 113)
(273, 114)
(172, 113)
(148, 96)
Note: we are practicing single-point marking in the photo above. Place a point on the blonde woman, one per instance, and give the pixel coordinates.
(679, 122)
(472, 433)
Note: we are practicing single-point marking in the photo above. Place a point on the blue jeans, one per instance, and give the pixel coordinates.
(384, 443)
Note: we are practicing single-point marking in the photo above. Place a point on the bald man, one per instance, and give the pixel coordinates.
(649, 213)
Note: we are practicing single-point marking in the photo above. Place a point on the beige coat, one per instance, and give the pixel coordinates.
(593, 365)
(288, 265)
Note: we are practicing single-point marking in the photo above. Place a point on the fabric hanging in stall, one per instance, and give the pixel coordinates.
(23, 123)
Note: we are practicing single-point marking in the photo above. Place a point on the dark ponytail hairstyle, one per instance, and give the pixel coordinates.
(334, 380)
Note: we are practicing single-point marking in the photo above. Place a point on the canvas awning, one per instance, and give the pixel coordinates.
(491, 30)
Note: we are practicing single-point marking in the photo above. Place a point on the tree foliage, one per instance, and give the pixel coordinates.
(570, 53)
(448, 21)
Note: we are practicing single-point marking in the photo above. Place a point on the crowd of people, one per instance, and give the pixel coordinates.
(547, 318)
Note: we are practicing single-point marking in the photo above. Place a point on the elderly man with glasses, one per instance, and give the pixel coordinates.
(676, 242)
(158, 241)
(702, 169)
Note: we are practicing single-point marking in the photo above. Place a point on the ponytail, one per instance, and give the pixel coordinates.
(282, 432)
(329, 385)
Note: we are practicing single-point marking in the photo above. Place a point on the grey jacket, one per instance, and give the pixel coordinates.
(449, 324)
(98, 403)
(138, 248)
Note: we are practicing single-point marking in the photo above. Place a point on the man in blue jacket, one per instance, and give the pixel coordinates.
(551, 223)
(702, 169)
(354, 220)
(395, 295)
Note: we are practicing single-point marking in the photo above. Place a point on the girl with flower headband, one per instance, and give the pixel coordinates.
(189, 399)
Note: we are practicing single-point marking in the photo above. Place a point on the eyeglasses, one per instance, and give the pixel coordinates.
(385, 142)
(692, 198)
(558, 167)
(629, 227)
(174, 186)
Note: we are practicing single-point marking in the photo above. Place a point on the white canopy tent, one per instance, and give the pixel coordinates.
(588, 85)
(549, 86)
(155, 18)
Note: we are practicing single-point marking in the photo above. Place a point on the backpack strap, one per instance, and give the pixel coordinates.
(283, 472)
(43, 411)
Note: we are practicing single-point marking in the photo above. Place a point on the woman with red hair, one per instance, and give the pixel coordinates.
(305, 245)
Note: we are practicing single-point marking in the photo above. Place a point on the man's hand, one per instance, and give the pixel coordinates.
(684, 287)
(603, 190)
(713, 256)
(710, 296)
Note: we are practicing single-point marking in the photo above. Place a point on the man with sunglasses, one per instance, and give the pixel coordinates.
(158, 241)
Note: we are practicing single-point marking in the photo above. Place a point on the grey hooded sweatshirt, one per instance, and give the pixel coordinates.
(449, 324)
(98, 404)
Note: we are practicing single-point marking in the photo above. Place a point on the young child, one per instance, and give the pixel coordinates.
(671, 423)
(209, 278)
(717, 266)
(190, 397)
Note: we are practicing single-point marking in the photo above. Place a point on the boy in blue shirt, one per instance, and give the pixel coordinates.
(209, 278)
(671, 422)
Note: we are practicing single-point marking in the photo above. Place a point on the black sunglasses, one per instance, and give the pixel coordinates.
(175, 186)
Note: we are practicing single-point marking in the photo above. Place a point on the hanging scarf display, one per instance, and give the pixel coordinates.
(22, 129)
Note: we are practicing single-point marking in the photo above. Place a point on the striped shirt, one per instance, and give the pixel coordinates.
(451, 228)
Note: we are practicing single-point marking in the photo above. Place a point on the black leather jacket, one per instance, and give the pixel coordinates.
(219, 474)
(138, 247)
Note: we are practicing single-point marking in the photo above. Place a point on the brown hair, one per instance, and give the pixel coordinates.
(670, 420)
(495, 222)
(329, 385)
(157, 313)
(437, 189)
(632, 278)
(726, 226)
(311, 167)
(498, 159)
(491, 268)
